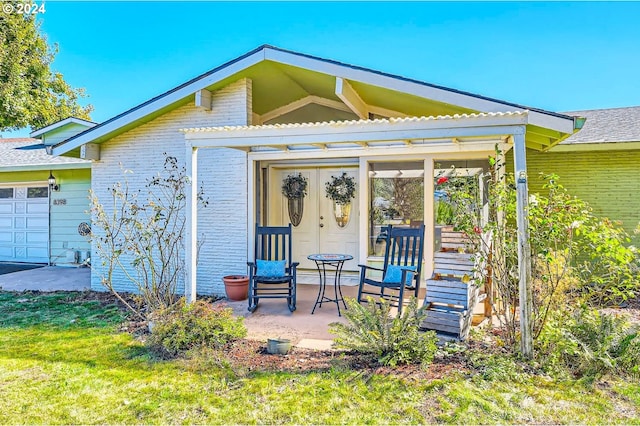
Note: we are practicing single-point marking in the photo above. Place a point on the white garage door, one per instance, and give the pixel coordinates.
(24, 224)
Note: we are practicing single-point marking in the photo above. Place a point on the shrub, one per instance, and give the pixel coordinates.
(373, 332)
(184, 326)
(141, 234)
(590, 344)
(575, 255)
(610, 274)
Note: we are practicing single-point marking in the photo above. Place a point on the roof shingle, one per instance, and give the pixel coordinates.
(25, 152)
(607, 125)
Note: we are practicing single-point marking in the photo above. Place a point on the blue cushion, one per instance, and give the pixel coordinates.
(271, 268)
(393, 275)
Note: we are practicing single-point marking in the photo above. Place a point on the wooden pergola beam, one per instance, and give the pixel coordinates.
(350, 97)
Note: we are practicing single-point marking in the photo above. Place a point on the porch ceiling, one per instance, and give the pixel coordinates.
(461, 131)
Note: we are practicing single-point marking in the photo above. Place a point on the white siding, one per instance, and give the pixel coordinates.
(223, 173)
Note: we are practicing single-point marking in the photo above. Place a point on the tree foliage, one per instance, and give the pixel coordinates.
(31, 94)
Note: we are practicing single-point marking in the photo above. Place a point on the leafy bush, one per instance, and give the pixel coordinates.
(186, 326)
(610, 274)
(575, 255)
(373, 332)
(590, 344)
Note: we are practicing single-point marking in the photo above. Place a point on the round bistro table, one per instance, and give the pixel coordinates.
(329, 261)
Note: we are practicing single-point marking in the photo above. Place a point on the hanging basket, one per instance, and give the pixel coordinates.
(296, 209)
(294, 188)
(342, 213)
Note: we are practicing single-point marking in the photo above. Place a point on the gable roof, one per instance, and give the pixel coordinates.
(607, 125)
(61, 123)
(176, 96)
(25, 154)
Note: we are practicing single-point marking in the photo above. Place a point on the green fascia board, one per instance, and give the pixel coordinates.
(38, 167)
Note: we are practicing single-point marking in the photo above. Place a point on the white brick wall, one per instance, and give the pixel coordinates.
(223, 173)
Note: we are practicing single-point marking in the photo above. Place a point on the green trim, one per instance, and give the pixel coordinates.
(597, 146)
(38, 167)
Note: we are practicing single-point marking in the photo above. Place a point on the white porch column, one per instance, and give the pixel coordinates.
(252, 217)
(191, 225)
(363, 206)
(429, 217)
(524, 248)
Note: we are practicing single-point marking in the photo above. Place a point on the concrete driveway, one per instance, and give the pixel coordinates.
(47, 278)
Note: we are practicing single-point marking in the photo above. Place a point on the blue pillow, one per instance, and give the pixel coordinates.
(270, 268)
(393, 275)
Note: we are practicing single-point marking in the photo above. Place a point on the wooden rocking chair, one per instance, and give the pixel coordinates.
(272, 274)
(401, 269)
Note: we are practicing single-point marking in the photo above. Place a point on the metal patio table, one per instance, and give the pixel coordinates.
(329, 261)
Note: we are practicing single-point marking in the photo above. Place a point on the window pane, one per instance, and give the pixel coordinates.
(456, 187)
(42, 192)
(6, 192)
(396, 197)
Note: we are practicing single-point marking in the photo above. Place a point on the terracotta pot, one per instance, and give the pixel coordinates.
(236, 286)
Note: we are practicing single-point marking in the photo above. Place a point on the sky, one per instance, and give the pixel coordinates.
(559, 56)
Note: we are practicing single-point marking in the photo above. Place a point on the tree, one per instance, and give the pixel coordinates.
(31, 94)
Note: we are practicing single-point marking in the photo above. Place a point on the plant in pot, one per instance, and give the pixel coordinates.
(341, 189)
(236, 287)
(294, 188)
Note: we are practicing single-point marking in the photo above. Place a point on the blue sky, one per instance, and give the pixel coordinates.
(557, 56)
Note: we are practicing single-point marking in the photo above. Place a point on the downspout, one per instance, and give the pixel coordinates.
(50, 192)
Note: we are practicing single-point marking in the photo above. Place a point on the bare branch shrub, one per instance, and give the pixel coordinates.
(141, 235)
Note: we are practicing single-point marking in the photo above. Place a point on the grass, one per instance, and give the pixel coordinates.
(63, 360)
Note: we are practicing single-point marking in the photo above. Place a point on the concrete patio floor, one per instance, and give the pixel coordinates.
(272, 318)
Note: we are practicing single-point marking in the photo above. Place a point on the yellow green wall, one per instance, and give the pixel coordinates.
(608, 180)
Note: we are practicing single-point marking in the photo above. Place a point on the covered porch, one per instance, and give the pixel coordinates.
(366, 143)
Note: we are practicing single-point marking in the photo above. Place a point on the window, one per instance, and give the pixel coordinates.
(6, 192)
(396, 196)
(40, 192)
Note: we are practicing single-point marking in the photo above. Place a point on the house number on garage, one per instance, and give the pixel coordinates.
(60, 202)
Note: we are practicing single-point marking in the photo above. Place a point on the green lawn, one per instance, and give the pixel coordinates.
(63, 360)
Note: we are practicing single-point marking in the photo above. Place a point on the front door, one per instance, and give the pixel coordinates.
(318, 230)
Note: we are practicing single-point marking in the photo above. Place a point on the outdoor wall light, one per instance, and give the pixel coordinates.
(52, 183)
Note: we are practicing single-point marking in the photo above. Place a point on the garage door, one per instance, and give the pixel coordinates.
(24, 224)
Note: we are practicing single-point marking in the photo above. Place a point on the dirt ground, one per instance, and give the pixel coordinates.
(251, 354)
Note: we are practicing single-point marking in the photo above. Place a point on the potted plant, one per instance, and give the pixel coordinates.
(236, 287)
(294, 188)
(341, 189)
